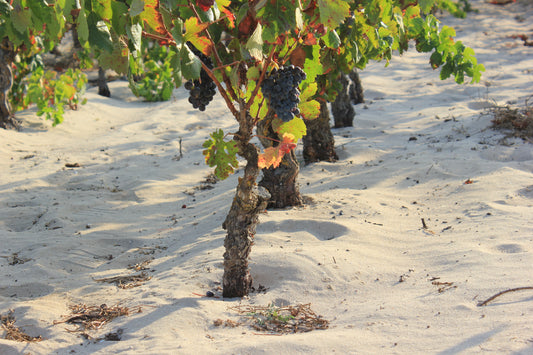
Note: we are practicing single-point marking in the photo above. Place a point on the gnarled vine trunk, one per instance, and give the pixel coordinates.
(319, 144)
(280, 181)
(342, 108)
(7, 120)
(242, 218)
(351, 94)
(356, 88)
(103, 89)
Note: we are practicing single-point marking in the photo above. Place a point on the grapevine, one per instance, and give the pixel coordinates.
(232, 46)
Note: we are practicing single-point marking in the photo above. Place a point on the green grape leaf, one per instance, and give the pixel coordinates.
(190, 63)
(221, 154)
(119, 19)
(175, 64)
(446, 71)
(136, 7)
(332, 39)
(103, 9)
(135, 35)
(478, 69)
(118, 60)
(21, 19)
(277, 18)
(312, 66)
(83, 27)
(255, 43)
(435, 60)
(333, 12)
(99, 35)
(426, 5)
(177, 31)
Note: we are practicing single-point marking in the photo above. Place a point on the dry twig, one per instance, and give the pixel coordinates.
(484, 303)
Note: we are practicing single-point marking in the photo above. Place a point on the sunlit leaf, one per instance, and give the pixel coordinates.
(221, 154)
(255, 43)
(296, 127)
(333, 12)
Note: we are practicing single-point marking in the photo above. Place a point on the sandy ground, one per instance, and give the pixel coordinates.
(358, 253)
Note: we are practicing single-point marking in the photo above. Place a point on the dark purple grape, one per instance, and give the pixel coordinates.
(202, 91)
(281, 89)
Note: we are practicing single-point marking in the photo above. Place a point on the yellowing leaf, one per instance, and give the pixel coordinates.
(192, 30)
(308, 91)
(296, 127)
(152, 16)
(310, 109)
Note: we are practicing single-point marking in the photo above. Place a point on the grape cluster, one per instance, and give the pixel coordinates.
(201, 91)
(281, 88)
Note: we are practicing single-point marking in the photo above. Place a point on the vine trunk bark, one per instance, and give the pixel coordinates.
(342, 108)
(280, 181)
(319, 144)
(356, 88)
(7, 120)
(242, 218)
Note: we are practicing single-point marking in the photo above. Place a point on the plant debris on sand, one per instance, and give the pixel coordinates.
(517, 120)
(13, 332)
(128, 281)
(95, 317)
(273, 319)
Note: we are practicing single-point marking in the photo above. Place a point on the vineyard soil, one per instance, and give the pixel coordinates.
(426, 213)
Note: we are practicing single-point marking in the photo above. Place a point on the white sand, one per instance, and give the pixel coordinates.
(345, 253)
